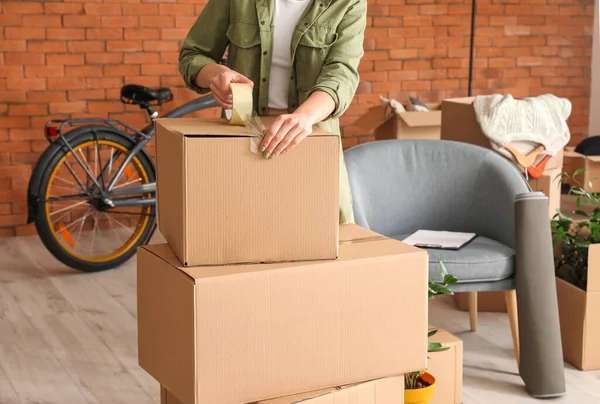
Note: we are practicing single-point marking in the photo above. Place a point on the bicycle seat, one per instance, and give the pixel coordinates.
(136, 94)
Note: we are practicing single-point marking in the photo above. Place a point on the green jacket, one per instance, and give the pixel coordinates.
(326, 48)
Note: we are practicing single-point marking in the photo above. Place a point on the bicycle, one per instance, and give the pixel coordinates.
(108, 207)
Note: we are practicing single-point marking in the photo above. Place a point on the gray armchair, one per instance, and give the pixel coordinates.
(401, 186)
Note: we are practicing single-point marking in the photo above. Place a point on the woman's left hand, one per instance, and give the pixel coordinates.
(286, 133)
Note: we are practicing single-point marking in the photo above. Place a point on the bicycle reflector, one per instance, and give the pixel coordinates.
(51, 131)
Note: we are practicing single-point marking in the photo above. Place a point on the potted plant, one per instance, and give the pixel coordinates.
(420, 386)
(577, 263)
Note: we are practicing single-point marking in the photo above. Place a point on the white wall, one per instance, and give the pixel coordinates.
(595, 93)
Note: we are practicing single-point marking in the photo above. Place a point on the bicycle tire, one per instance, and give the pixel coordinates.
(44, 228)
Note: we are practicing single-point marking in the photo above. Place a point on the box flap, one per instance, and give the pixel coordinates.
(463, 100)
(216, 127)
(421, 119)
(372, 119)
(371, 245)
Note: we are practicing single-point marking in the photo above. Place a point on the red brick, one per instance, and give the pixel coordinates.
(104, 58)
(66, 33)
(11, 71)
(7, 232)
(16, 83)
(83, 21)
(66, 83)
(176, 9)
(44, 71)
(64, 59)
(7, 97)
(161, 46)
(83, 71)
(517, 30)
(24, 58)
(404, 54)
(7, 20)
(68, 107)
(120, 21)
(27, 110)
(120, 70)
(104, 33)
(124, 46)
(63, 8)
(46, 46)
(104, 82)
(157, 21)
(173, 33)
(5, 209)
(187, 22)
(84, 95)
(169, 57)
(439, 52)
(104, 9)
(22, 7)
(86, 46)
(25, 230)
(41, 21)
(146, 9)
(141, 33)
(26, 134)
(530, 61)
(515, 52)
(12, 220)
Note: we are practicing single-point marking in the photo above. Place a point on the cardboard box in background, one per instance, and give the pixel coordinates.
(220, 203)
(242, 333)
(486, 301)
(447, 368)
(549, 183)
(579, 312)
(591, 164)
(382, 391)
(459, 123)
(386, 124)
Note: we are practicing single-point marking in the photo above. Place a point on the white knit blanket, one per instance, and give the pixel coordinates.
(524, 123)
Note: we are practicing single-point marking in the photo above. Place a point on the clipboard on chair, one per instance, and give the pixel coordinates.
(441, 240)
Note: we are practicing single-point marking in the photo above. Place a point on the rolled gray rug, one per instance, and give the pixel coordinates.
(541, 363)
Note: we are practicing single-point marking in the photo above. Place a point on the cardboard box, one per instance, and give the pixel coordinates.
(459, 123)
(486, 301)
(242, 333)
(447, 368)
(386, 124)
(579, 313)
(591, 164)
(220, 203)
(382, 391)
(549, 183)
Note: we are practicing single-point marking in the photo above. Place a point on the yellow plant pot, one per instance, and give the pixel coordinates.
(423, 395)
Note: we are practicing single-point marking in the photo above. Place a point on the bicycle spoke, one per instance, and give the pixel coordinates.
(110, 220)
(68, 207)
(84, 218)
(66, 181)
(83, 188)
(126, 184)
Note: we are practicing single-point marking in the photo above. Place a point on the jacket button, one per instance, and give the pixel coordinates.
(264, 80)
(265, 53)
(262, 23)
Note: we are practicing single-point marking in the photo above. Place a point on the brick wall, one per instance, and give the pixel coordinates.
(52, 53)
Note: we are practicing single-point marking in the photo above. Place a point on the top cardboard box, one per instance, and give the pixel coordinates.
(459, 123)
(385, 124)
(220, 203)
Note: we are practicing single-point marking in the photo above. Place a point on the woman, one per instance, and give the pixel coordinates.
(300, 56)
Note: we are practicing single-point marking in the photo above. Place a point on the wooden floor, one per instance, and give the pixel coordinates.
(70, 338)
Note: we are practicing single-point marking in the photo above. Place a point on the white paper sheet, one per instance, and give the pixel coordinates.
(439, 239)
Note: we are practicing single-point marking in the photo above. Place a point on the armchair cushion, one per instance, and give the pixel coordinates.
(482, 260)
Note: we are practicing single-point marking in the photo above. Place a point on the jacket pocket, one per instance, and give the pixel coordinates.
(311, 54)
(243, 55)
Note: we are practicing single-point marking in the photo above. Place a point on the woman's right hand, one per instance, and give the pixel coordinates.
(220, 86)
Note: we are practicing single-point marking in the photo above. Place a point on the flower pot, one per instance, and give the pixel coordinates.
(423, 395)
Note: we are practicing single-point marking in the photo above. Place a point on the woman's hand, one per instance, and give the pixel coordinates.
(286, 133)
(218, 78)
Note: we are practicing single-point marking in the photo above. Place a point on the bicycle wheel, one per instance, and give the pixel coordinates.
(75, 224)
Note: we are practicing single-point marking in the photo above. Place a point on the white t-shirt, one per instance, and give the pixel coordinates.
(286, 17)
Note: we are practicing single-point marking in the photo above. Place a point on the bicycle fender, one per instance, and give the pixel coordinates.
(33, 189)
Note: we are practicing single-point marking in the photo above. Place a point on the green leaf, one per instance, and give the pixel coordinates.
(431, 333)
(441, 349)
(578, 172)
(580, 212)
(450, 279)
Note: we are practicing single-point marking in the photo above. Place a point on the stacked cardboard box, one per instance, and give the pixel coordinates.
(259, 294)
(459, 123)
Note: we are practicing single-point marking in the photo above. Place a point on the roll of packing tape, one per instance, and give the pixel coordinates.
(242, 104)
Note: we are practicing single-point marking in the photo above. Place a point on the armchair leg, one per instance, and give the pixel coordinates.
(511, 305)
(473, 310)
